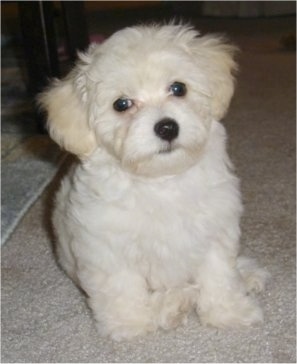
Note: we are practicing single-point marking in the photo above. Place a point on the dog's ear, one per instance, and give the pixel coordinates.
(216, 57)
(67, 118)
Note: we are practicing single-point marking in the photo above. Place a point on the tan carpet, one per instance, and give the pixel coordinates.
(44, 316)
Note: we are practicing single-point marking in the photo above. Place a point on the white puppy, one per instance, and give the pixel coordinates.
(148, 222)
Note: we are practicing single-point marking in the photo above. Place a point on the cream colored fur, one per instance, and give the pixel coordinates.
(150, 228)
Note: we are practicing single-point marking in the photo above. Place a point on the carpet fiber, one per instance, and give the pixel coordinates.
(44, 316)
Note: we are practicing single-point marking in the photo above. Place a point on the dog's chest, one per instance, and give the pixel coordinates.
(160, 227)
(144, 205)
(163, 220)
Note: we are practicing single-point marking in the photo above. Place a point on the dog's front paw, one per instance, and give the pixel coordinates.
(121, 318)
(240, 312)
(124, 327)
(171, 307)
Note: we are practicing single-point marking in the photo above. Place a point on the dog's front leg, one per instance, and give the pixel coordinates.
(120, 304)
(223, 298)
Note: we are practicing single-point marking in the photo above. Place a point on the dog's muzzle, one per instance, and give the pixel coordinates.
(166, 129)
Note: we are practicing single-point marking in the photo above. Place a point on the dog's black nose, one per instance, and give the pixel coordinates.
(166, 129)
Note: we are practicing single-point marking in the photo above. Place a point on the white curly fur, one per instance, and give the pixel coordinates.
(150, 228)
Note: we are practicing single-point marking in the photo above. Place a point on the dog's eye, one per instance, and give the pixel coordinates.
(122, 104)
(178, 89)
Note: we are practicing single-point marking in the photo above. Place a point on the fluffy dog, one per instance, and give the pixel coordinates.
(147, 222)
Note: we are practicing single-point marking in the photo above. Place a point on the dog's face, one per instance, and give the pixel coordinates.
(147, 96)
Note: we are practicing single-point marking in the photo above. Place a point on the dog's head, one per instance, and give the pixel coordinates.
(147, 95)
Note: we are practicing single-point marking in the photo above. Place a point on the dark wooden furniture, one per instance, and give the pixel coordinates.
(39, 32)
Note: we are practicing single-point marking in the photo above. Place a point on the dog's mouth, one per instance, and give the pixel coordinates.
(166, 149)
